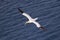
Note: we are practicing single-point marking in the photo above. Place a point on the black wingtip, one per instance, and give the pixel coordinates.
(20, 10)
(43, 28)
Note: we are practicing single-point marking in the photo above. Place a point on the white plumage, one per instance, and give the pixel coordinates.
(31, 20)
(26, 15)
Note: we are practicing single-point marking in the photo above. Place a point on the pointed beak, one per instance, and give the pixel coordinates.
(26, 23)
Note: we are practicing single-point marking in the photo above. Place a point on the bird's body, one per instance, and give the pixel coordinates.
(31, 20)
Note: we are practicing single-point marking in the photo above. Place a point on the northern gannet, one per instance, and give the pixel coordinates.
(31, 20)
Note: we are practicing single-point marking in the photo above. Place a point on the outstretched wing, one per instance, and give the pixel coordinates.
(37, 24)
(26, 15)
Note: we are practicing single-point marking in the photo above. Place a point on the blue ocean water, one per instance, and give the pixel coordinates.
(12, 23)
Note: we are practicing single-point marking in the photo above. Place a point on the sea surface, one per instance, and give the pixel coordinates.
(12, 22)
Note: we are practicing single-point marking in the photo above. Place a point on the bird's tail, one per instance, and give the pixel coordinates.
(20, 10)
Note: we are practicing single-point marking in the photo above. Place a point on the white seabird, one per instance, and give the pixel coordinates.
(31, 20)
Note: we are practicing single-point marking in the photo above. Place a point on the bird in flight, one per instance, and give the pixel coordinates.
(31, 20)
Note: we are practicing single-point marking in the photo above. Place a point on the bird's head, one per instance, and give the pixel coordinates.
(27, 22)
